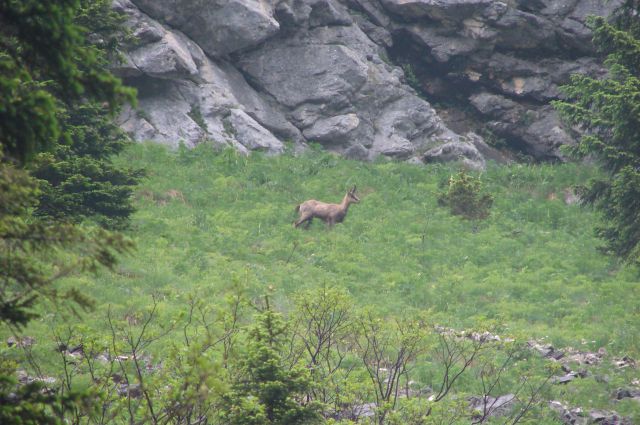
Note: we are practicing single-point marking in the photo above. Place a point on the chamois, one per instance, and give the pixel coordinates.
(329, 213)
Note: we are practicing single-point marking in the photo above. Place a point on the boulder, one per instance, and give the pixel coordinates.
(328, 13)
(332, 130)
(357, 152)
(488, 406)
(464, 152)
(250, 134)
(319, 73)
(218, 26)
(167, 58)
(436, 9)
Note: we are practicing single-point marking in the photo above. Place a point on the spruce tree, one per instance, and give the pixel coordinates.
(79, 180)
(47, 70)
(607, 112)
(265, 390)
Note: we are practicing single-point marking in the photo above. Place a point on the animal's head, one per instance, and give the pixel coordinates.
(351, 195)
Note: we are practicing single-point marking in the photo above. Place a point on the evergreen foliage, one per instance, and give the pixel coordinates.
(44, 62)
(48, 69)
(608, 113)
(79, 180)
(51, 83)
(266, 391)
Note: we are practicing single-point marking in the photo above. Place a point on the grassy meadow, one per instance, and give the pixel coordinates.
(209, 220)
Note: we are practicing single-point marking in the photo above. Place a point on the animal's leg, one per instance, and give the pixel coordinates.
(306, 226)
(302, 219)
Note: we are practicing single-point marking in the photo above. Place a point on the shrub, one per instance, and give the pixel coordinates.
(462, 196)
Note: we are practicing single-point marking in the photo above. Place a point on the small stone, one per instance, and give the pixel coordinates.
(25, 341)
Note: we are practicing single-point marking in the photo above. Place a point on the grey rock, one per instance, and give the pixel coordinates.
(408, 125)
(328, 12)
(379, 35)
(546, 135)
(320, 74)
(575, 356)
(395, 146)
(376, 15)
(25, 378)
(357, 152)
(488, 406)
(25, 341)
(168, 58)
(522, 31)
(487, 152)
(569, 416)
(442, 47)
(366, 410)
(436, 9)
(607, 418)
(495, 106)
(624, 362)
(622, 393)
(303, 70)
(339, 93)
(332, 130)
(540, 129)
(464, 152)
(147, 31)
(136, 124)
(546, 350)
(130, 390)
(251, 134)
(177, 82)
(218, 26)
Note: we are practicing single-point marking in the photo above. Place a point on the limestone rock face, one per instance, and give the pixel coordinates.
(504, 59)
(218, 26)
(252, 74)
(435, 9)
(184, 95)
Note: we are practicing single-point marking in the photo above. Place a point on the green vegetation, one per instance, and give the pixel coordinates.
(196, 115)
(214, 234)
(78, 181)
(410, 76)
(45, 63)
(56, 95)
(232, 219)
(607, 110)
(265, 390)
(462, 196)
(227, 314)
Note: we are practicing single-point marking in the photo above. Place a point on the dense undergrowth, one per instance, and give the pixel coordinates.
(210, 222)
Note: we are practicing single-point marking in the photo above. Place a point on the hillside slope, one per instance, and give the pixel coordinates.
(209, 221)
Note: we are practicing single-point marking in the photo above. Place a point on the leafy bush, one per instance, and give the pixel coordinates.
(463, 197)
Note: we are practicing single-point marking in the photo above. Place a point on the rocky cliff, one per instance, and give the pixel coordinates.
(359, 77)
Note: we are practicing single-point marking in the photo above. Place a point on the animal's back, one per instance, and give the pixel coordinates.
(318, 209)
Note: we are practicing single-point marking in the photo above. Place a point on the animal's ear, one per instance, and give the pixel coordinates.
(354, 189)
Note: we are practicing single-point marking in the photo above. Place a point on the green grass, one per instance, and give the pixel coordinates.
(207, 219)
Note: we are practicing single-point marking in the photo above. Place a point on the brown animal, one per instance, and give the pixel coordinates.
(329, 213)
